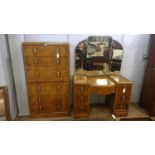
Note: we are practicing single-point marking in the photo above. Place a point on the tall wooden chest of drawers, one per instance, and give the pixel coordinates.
(47, 77)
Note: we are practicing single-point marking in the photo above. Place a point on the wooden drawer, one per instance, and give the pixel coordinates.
(123, 89)
(122, 99)
(81, 89)
(50, 50)
(121, 107)
(62, 62)
(40, 74)
(82, 99)
(48, 103)
(81, 108)
(45, 88)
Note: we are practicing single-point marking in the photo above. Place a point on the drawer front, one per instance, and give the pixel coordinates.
(81, 89)
(120, 99)
(44, 88)
(81, 108)
(46, 74)
(81, 100)
(123, 89)
(121, 107)
(62, 62)
(50, 50)
(48, 103)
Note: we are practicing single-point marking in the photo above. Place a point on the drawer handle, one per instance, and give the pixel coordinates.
(34, 50)
(58, 74)
(38, 88)
(81, 99)
(35, 61)
(39, 99)
(124, 89)
(81, 108)
(40, 107)
(59, 107)
(59, 98)
(81, 89)
(37, 74)
(57, 53)
(58, 61)
(59, 86)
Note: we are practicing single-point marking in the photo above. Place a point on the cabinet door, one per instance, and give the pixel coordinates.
(147, 99)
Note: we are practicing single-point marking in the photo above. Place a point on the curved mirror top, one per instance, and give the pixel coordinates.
(98, 53)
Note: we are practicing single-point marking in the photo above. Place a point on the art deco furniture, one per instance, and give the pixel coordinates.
(4, 104)
(147, 99)
(98, 73)
(47, 77)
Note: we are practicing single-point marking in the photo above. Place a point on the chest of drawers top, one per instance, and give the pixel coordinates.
(45, 49)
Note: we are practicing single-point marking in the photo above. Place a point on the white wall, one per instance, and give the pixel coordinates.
(15, 43)
(6, 75)
(2, 80)
(133, 65)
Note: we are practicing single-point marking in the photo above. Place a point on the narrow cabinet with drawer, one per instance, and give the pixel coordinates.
(121, 99)
(81, 97)
(47, 77)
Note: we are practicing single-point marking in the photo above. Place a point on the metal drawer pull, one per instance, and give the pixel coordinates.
(59, 107)
(38, 88)
(81, 98)
(35, 61)
(81, 89)
(37, 74)
(124, 89)
(81, 107)
(123, 97)
(34, 50)
(58, 73)
(58, 61)
(39, 99)
(40, 107)
(57, 53)
(59, 98)
(59, 86)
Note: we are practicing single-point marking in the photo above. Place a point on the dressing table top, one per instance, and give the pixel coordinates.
(93, 78)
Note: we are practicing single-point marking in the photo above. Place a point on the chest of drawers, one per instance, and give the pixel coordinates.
(47, 77)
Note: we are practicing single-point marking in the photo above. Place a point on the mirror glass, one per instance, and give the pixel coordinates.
(98, 53)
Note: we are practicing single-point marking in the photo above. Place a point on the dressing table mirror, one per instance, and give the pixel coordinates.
(97, 71)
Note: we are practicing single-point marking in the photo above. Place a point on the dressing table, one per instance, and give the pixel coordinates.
(100, 75)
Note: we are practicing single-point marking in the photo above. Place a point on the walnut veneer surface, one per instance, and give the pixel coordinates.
(116, 87)
(47, 76)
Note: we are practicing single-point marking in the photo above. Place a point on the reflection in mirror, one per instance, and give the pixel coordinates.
(98, 53)
(117, 55)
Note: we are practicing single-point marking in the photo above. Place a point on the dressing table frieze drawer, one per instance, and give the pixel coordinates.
(61, 62)
(44, 88)
(46, 74)
(46, 50)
